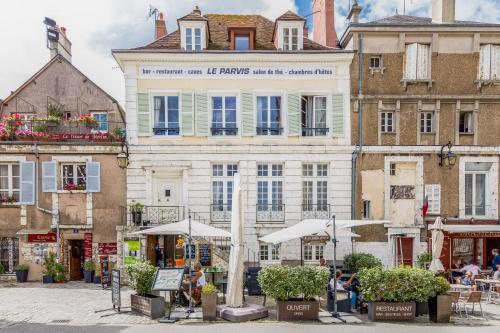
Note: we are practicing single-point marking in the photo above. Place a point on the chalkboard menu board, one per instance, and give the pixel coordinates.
(205, 254)
(191, 251)
(115, 289)
(105, 271)
(168, 279)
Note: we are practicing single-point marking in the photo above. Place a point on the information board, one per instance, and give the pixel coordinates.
(205, 254)
(87, 246)
(105, 271)
(115, 289)
(168, 279)
(192, 252)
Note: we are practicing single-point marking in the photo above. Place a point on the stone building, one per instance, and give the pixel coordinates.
(59, 179)
(418, 84)
(237, 93)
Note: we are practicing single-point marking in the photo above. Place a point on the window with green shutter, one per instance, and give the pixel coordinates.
(293, 107)
(247, 114)
(187, 112)
(338, 115)
(143, 123)
(201, 107)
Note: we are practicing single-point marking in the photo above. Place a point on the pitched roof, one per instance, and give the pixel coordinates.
(406, 20)
(290, 16)
(219, 38)
(193, 16)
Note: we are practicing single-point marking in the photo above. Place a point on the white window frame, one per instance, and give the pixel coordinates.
(314, 121)
(75, 166)
(270, 253)
(237, 116)
(191, 35)
(288, 44)
(316, 177)
(392, 169)
(470, 122)
(165, 96)
(10, 181)
(427, 122)
(226, 179)
(270, 204)
(384, 126)
(379, 58)
(474, 208)
(282, 122)
(418, 61)
(433, 194)
(313, 252)
(202, 25)
(366, 209)
(107, 121)
(491, 54)
(27, 118)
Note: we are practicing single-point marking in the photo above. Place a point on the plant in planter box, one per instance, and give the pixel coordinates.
(440, 301)
(355, 262)
(59, 277)
(2, 269)
(49, 268)
(55, 111)
(136, 209)
(88, 121)
(393, 292)
(141, 276)
(423, 259)
(21, 272)
(88, 271)
(209, 302)
(97, 275)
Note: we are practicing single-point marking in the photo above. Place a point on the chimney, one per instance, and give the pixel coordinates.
(354, 13)
(324, 23)
(443, 11)
(306, 31)
(160, 27)
(197, 10)
(62, 46)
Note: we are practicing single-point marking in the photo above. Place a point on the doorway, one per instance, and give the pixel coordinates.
(75, 260)
(491, 243)
(168, 191)
(404, 251)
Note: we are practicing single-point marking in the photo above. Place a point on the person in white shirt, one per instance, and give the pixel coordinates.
(473, 268)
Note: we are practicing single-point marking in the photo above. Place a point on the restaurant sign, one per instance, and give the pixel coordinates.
(385, 311)
(476, 234)
(204, 72)
(107, 248)
(49, 237)
(317, 239)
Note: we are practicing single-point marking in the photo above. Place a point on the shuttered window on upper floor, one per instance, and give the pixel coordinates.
(489, 64)
(417, 63)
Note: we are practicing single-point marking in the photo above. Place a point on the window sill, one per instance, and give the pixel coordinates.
(71, 192)
(407, 82)
(391, 133)
(466, 133)
(379, 70)
(10, 205)
(482, 83)
(428, 133)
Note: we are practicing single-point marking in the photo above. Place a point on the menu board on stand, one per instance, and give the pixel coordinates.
(105, 271)
(205, 254)
(115, 289)
(87, 246)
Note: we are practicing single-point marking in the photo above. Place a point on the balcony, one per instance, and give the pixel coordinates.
(270, 212)
(157, 215)
(220, 213)
(315, 211)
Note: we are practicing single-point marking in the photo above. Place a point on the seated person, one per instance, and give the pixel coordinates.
(456, 269)
(467, 280)
(473, 268)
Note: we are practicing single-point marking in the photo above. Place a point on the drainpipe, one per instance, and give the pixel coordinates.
(359, 145)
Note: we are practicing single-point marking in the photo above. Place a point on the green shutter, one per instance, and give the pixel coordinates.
(247, 114)
(201, 103)
(187, 114)
(338, 115)
(143, 124)
(294, 114)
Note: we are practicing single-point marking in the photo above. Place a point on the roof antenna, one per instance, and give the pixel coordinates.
(153, 11)
(404, 7)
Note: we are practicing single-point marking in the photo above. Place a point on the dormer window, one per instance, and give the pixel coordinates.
(290, 39)
(242, 43)
(242, 38)
(193, 39)
(289, 32)
(194, 31)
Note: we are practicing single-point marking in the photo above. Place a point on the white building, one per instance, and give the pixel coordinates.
(239, 93)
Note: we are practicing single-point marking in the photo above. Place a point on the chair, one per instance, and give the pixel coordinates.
(473, 298)
(455, 297)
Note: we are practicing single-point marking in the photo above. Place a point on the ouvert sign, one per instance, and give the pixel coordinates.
(237, 72)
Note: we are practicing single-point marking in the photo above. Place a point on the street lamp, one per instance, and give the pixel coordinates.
(122, 157)
(449, 158)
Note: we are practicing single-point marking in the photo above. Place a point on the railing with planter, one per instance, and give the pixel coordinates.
(315, 211)
(157, 215)
(220, 212)
(270, 212)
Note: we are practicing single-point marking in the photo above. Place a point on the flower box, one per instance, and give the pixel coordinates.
(149, 305)
(391, 311)
(440, 308)
(297, 310)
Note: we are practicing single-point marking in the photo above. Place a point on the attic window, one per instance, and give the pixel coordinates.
(242, 42)
(242, 38)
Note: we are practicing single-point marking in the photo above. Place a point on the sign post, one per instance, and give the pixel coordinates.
(115, 289)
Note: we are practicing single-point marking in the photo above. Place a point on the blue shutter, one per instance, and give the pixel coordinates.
(27, 183)
(338, 115)
(187, 114)
(293, 107)
(247, 114)
(143, 114)
(49, 176)
(93, 176)
(201, 102)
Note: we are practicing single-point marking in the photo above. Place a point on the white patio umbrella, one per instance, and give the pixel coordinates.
(197, 230)
(437, 246)
(235, 270)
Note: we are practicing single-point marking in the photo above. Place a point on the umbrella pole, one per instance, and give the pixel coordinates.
(335, 314)
(301, 251)
(190, 309)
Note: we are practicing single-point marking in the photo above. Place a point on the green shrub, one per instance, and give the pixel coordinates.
(423, 258)
(357, 261)
(2, 269)
(208, 289)
(441, 285)
(49, 264)
(284, 283)
(396, 285)
(55, 111)
(89, 265)
(22, 267)
(59, 268)
(59, 277)
(141, 275)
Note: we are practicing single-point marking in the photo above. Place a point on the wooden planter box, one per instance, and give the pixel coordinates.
(391, 311)
(209, 306)
(152, 306)
(440, 308)
(298, 310)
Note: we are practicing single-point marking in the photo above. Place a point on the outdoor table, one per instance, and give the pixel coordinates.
(223, 284)
(492, 284)
(459, 287)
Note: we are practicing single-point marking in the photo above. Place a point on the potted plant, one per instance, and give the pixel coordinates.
(97, 275)
(88, 271)
(440, 302)
(209, 302)
(55, 111)
(59, 277)
(355, 262)
(22, 272)
(424, 259)
(294, 289)
(392, 293)
(136, 209)
(49, 268)
(141, 276)
(88, 121)
(2, 269)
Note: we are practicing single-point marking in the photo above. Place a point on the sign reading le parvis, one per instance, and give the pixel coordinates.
(319, 72)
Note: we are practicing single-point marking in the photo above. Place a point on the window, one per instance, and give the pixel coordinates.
(376, 62)
(313, 252)
(27, 120)
(433, 194)
(222, 186)
(489, 67)
(426, 119)
(74, 176)
(308, 252)
(242, 42)
(290, 39)
(466, 122)
(269, 115)
(366, 213)
(102, 119)
(314, 116)
(387, 122)
(224, 116)
(475, 188)
(392, 169)
(9, 182)
(269, 252)
(193, 39)
(417, 62)
(270, 187)
(315, 187)
(166, 115)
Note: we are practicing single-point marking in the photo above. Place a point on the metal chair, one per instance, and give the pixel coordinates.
(473, 298)
(455, 297)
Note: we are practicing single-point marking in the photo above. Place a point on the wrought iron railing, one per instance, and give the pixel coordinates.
(270, 212)
(157, 215)
(166, 130)
(220, 212)
(315, 211)
(269, 130)
(317, 131)
(221, 131)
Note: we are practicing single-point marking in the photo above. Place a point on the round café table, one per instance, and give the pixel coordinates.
(492, 284)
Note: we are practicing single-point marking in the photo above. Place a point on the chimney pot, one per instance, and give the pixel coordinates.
(160, 27)
(197, 10)
(354, 13)
(306, 32)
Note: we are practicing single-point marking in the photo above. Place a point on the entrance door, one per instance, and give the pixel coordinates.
(404, 250)
(169, 192)
(75, 260)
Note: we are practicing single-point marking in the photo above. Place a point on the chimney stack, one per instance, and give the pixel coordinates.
(354, 13)
(443, 11)
(160, 27)
(62, 46)
(306, 31)
(197, 10)
(324, 22)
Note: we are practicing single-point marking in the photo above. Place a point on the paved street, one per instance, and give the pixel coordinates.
(79, 307)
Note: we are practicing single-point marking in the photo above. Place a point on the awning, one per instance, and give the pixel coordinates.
(459, 228)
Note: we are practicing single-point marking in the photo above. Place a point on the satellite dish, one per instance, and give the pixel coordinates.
(50, 22)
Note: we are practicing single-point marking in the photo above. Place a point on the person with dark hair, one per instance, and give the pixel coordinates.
(496, 260)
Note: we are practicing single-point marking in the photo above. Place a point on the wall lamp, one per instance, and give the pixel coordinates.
(122, 157)
(447, 158)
